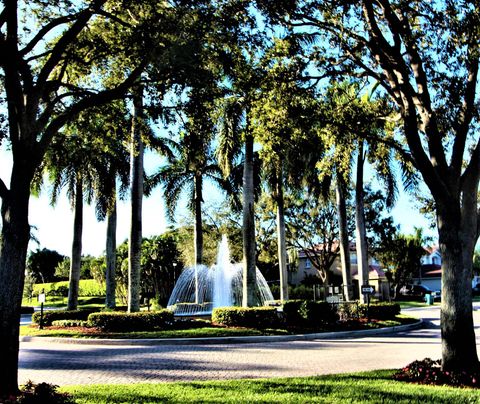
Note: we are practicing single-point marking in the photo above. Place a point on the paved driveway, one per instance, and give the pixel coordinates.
(64, 364)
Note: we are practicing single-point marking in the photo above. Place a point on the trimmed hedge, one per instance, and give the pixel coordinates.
(315, 313)
(70, 323)
(53, 315)
(122, 322)
(256, 317)
(309, 313)
(291, 312)
(380, 311)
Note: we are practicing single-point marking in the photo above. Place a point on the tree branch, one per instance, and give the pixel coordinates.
(66, 40)
(465, 114)
(45, 30)
(100, 98)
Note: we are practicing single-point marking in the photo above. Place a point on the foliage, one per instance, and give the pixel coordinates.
(291, 312)
(317, 313)
(379, 311)
(301, 292)
(428, 371)
(88, 287)
(256, 317)
(70, 323)
(52, 315)
(161, 265)
(41, 264)
(348, 311)
(140, 321)
(40, 393)
(309, 313)
(401, 256)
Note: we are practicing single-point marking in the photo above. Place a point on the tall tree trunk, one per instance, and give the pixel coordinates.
(13, 253)
(111, 257)
(136, 180)
(457, 237)
(343, 238)
(249, 265)
(360, 232)
(281, 244)
(198, 231)
(76, 259)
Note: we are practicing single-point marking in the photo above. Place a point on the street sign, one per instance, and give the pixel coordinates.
(368, 290)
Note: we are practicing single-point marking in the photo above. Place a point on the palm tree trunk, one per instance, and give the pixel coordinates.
(136, 180)
(13, 252)
(76, 259)
(249, 267)
(198, 231)
(282, 245)
(111, 257)
(360, 232)
(343, 238)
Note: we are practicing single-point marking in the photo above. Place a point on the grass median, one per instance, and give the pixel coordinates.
(365, 387)
(198, 332)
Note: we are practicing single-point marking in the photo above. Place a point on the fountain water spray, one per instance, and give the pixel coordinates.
(200, 289)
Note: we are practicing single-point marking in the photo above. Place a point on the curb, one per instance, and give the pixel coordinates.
(226, 340)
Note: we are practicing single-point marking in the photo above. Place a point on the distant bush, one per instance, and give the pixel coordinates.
(349, 311)
(309, 313)
(87, 287)
(256, 317)
(317, 313)
(70, 323)
(53, 315)
(380, 311)
(303, 292)
(291, 312)
(27, 310)
(123, 322)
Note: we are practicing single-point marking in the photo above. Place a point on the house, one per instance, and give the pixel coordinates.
(430, 273)
(307, 273)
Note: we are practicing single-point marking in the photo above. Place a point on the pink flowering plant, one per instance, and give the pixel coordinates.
(428, 371)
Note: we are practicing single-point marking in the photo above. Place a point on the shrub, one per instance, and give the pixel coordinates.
(308, 313)
(348, 311)
(70, 323)
(256, 317)
(52, 315)
(428, 371)
(122, 322)
(380, 311)
(301, 292)
(291, 312)
(41, 393)
(316, 313)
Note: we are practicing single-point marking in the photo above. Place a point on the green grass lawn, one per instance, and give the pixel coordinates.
(368, 387)
(203, 332)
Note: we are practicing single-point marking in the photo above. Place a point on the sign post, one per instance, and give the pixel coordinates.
(41, 300)
(368, 290)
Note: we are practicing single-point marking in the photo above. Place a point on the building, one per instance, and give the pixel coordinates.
(307, 273)
(430, 273)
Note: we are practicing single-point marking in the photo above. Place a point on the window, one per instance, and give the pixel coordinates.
(308, 264)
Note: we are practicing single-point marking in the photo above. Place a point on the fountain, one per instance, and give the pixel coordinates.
(200, 289)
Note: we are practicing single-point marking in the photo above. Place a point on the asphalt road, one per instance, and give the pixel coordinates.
(66, 364)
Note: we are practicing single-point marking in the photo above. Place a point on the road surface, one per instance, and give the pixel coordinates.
(66, 364)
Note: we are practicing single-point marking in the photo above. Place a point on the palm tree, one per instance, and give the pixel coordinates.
(69, 164)
(136, 189)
